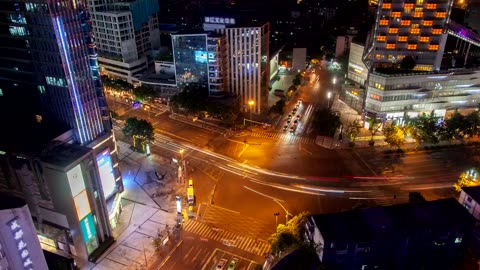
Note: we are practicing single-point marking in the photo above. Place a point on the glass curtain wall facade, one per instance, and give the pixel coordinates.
(48, 56)
(191, 59)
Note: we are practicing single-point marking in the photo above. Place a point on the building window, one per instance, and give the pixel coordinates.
(393, 30)
(402, 38)
(441, 15)
(469, 199)
(415, 31)
(408, 6)
(18, 31)
(378, 56)
(383, 22)
(412, 46)
(431, 6)
(419, 2)
(418, 14)
(405, 22)
(381, 38)
(41, 89)
(396, 14)
(437, 31)
(56, 81)
(433, 47)
(1, 92)
(373, 96)
(424, 39)
(427, 23)
(387, 5)
(390, 46)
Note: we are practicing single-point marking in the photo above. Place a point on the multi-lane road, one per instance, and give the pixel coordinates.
(240, 182)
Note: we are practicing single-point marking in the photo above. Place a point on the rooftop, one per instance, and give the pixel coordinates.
(473, 192)
(376, 223)
(63, 154)
(9, 202)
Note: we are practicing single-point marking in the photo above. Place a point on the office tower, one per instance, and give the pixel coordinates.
(409, 28)
(19, 244)
(248, 60)
(126, 34)
(48, 64)
(200, 59)
(472, 16)
(51, 95)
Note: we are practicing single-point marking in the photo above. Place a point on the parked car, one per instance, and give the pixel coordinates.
(233, 264)
(221, 264)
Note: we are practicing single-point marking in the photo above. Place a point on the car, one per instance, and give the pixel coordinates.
(289, 116)
(285, 128)
(300, 100)
(221, 264)
(298, 116)
(295, 122)
(292, 129)
(294, 110)
(233, 264)
(288, 120)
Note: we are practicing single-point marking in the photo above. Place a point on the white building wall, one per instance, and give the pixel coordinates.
(19, 244)
(470, 204)
(357, 71)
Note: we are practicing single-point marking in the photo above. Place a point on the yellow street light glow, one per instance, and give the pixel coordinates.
(251, 102)
(181, 151)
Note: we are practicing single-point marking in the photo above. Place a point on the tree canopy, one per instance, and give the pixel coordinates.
(290, 235)
(408, 63)
(278, 107)
(374, 125)
(116, 84)
(394, 136)
(144, 93)
(140, 130)
(467, 179)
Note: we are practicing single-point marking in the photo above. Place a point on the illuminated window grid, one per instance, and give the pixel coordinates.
(415, 31)
(424, 39)
(383, 22)
(402, 38)
(441, 15)
(405, 22)
(437, 31)
(419, 2)
(393, 30)
(381, 38)
(412, 46)
(396, 14)
(427, 23)
(390, 46)
(378, 56)
(433, 47)
(387, 5)
(408, 6)
(431, 6)
(417, 14)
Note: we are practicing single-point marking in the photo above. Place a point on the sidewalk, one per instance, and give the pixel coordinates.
(148, 208)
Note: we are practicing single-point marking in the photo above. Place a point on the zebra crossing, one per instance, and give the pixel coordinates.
(285, 137)
(247, 244)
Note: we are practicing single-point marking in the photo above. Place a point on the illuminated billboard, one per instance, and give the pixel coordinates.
(82, 205)
(201, 56)
(105, 169)
(75, 179)
(89, 232)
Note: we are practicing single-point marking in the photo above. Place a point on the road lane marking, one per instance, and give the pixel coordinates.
(169, 254)
(265, 195)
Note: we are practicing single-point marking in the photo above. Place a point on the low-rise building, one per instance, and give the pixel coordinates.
(469, 198)
(403, 236)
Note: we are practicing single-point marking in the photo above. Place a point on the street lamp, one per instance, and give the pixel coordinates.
(329, 95)
(250, 104)
(334, 80)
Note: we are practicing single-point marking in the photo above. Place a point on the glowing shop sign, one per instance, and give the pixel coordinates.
(21, 245)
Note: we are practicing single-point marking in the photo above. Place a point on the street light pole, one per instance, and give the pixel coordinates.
(182, 164)
(276, 221)
(329, 95)
(284, 209)
(250, 104)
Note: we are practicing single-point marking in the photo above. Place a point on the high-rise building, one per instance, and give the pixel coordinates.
(51, 94)
(48, 58)
(248, 60)
(126, 34)
(201, 59)
(409, 28)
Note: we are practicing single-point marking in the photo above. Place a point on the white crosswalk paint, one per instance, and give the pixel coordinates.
(286, 137)
(241, 242)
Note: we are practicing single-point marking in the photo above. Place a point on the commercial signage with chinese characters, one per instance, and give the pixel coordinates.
(219, 20)
(21, 244)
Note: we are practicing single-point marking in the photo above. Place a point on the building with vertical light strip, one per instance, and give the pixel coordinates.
(51, 99)
(248, 60)
(409, 28)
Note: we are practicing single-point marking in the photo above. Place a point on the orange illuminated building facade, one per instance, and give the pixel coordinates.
(410, 27)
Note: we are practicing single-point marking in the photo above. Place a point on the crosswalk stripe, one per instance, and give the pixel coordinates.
(264, 249)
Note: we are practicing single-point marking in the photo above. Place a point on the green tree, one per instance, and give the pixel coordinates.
(374, 125)
(141, 132)
(472, 124)
(297, 80)
(425, 128)
(144, 93)
(353, 129)
(290, 235)
(394, 136)
(408, 63)
(416, 197)
(467, 179)
(278, 107)
(325, 122)
(453, 127)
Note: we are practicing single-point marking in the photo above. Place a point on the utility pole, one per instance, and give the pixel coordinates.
(276, 222)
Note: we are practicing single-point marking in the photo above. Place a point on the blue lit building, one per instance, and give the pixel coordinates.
(51, 95)
(201, 59)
